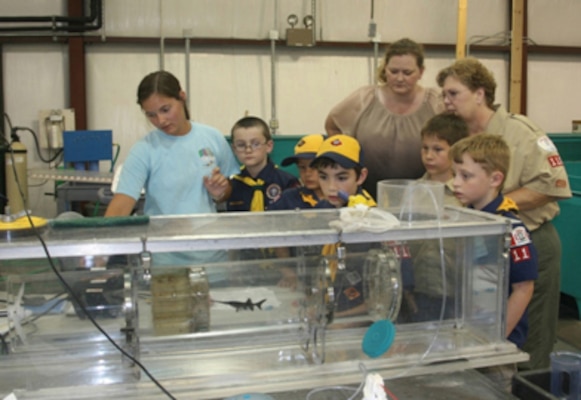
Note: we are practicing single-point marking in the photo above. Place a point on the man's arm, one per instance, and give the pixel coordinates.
(527, 199)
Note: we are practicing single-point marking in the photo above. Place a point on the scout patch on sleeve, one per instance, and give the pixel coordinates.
(555, 161)
(519, 254)
(546, 144)
(520, 245)
(519, 237)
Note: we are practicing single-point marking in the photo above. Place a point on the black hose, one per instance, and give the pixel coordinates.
(88, 23)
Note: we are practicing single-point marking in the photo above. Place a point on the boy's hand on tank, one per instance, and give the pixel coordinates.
(216, 184)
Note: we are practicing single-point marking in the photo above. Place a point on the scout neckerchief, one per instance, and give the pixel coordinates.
(507, 205)
(257, 203)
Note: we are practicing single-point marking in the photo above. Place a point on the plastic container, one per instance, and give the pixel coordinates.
(533, 385)
(566, 375)
(411, 200)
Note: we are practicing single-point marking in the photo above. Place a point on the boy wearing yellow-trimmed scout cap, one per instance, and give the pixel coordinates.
(308, 195)
(341, 172)
(260, 182)
(339, 162)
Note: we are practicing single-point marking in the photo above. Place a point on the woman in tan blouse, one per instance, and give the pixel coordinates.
(387, 118)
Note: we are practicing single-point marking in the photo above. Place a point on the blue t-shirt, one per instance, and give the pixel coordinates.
(171, 170)
(523, 260)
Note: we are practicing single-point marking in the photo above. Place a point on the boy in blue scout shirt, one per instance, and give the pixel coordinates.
(260, 182)
(339, 162)
(341, 174)
(480, 165)
(309, 193)
(306, 196)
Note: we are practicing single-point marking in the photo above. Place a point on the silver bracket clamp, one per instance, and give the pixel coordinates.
(145, 257)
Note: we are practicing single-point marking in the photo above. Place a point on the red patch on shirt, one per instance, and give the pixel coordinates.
(555, 161)
(351, 293)
(401, 251)
(519, 254)
(561, 183)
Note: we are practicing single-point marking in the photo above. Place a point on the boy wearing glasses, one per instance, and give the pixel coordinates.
(260, 182)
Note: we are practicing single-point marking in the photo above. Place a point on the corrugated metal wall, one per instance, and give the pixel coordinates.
(228, 80)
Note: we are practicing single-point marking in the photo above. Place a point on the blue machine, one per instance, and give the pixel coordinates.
(84, 149)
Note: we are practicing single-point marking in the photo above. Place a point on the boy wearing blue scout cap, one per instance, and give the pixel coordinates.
(308, 195)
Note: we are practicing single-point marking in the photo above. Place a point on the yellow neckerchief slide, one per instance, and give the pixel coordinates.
(309, 199)
(361, 198)
(508, 205)
(257, 203)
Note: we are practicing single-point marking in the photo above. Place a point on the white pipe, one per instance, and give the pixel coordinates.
(273, 37)
(187, 36)
(314, 14)
(161, 38)
(375, 57)
(374, 36)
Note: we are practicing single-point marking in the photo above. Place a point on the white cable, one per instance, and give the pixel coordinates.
(355, 391)
(362, 218)
(444, 285)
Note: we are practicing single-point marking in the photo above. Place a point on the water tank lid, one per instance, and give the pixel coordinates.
(251, 396)
(378, 338)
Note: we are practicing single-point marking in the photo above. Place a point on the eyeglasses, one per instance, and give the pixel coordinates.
(450, 94)
(242, 146)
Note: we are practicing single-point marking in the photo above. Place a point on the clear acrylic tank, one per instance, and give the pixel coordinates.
(286, 308)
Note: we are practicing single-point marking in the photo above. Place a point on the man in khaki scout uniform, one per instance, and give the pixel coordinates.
(536, 180)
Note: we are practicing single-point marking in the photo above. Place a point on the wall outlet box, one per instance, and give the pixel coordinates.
(299, 37)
